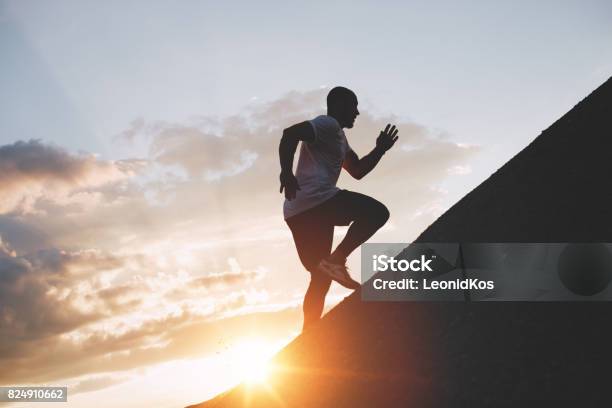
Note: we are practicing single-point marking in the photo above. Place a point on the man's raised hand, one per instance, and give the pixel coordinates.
(290, 184)
(387, 138)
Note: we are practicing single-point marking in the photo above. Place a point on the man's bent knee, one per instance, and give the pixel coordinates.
(381, 215)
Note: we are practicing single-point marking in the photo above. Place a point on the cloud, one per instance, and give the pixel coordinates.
(226, 278)
(214, 174)
(181, 335)
(95, 384)
(189, 287)
(232, 163)
(135, 128)
(49, 293)
(90, 305)
(32, 170)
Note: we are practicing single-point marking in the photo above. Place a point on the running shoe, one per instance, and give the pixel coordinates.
(339, 273)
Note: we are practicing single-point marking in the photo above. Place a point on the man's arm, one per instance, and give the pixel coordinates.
(357, 167)
(286, 150)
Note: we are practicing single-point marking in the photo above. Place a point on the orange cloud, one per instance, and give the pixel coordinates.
(32, 170)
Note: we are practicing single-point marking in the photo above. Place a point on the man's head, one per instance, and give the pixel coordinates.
(342, 105)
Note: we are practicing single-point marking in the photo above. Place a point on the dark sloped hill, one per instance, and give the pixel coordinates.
(366, 354)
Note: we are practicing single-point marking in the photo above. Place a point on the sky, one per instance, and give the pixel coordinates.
(141, 230)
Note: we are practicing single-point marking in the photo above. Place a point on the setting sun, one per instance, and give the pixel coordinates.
(250, 360)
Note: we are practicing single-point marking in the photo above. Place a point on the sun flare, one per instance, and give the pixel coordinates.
(250, 360)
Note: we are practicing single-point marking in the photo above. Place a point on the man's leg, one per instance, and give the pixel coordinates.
(365, 215)
(314, 300)
(313, 236)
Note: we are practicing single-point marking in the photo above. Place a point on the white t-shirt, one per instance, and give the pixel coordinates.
(319, 166)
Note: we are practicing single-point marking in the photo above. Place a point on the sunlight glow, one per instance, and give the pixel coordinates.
(250, 360)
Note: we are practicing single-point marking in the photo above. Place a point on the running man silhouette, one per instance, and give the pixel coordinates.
(314, 205)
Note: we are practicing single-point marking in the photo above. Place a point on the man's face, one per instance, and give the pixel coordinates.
(349, 113)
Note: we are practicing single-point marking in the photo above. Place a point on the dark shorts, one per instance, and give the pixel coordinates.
(313, 229)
